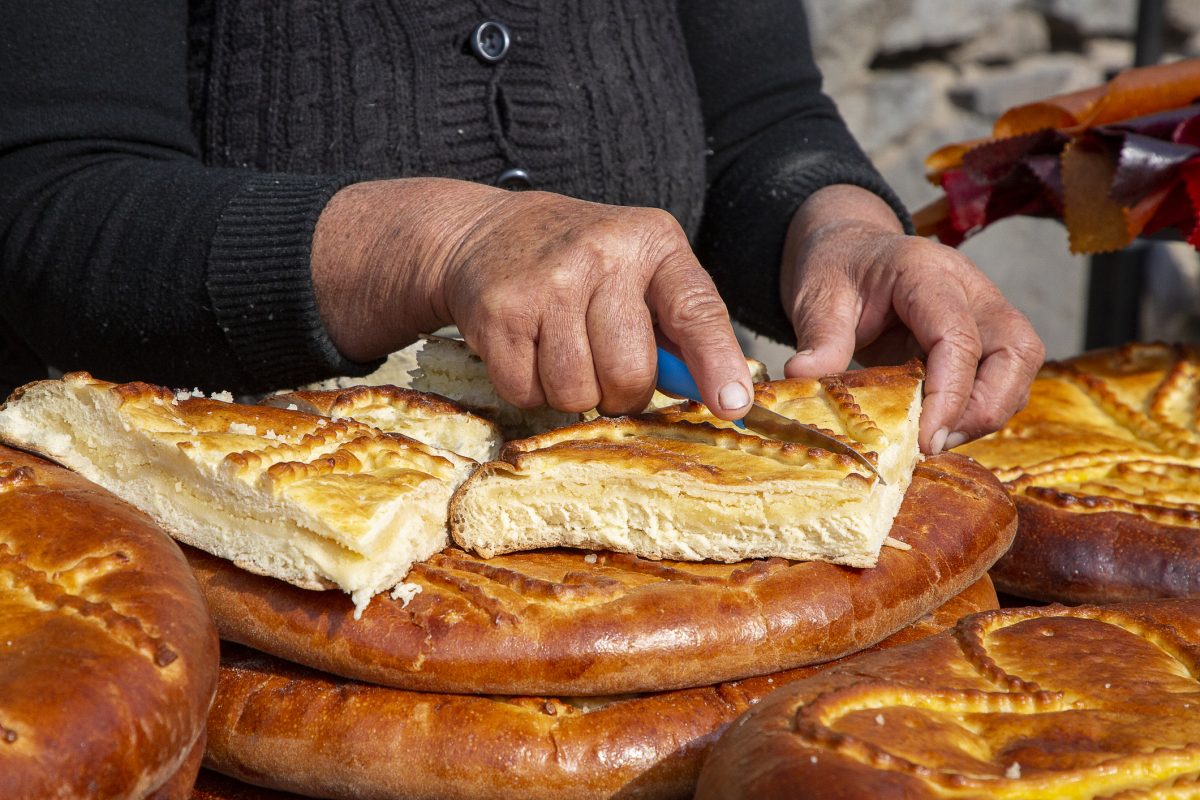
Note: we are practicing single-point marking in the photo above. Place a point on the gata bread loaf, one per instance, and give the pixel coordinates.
(672, 485)
(287, 727)
(1104, 467)
(108, 658)
(566, 622)
(1029, 703)
(305, 499)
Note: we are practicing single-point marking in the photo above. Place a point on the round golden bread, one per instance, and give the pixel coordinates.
(1104, 467)
(287, 727)
(1049, 702)
(108, 658)
(568, 623)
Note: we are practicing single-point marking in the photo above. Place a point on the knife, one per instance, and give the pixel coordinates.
(675, 379)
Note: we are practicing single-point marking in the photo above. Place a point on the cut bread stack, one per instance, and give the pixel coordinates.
(477, 668)
(1104, 467)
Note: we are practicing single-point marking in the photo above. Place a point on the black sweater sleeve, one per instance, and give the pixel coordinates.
(774, 140)
(120, 252)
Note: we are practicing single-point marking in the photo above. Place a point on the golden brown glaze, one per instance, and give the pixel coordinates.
(1104, 467)
(569, 623)
(287, 727)
(1032, 703)
(108, 657)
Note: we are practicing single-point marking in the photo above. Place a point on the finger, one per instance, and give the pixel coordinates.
(1012, 355)
(622, 339)
(940, 319)
(692, 315)
(565, 367)
(507, 346)
(825, 317)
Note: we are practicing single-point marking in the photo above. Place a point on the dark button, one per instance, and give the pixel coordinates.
(514, 178)
(490, 41)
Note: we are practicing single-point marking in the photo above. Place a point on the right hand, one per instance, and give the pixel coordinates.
(560, 297)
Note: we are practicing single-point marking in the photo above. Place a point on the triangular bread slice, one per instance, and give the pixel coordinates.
(664, 486)
(428, 418)
(298, 497)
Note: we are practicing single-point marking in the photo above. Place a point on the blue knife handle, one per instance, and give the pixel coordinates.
(675, 379)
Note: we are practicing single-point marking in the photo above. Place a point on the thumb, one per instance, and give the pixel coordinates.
(825, 321)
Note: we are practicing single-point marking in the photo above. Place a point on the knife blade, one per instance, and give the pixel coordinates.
(675, 379)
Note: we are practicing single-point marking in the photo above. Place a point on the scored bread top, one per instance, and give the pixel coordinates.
(1048, 702)
(1104, 463)
(428, 418)
(108, 655)
(297, 496)
(708, 454)
(866, 409)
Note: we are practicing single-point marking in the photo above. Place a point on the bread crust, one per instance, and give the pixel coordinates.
(557, 623)
(1091, 701)
(457, 746)
(1104, 467)
(108, 657)
(426, 417)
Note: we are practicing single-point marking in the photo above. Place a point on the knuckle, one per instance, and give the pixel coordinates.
(628, 383)
(574, 398)
(695, 305)
(963, 343)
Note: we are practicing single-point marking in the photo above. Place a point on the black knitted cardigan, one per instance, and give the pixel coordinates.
(163, 164)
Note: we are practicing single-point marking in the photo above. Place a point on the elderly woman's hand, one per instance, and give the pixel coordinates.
(560, 297)
(856, 286)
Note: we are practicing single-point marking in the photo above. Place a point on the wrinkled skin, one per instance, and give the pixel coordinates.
(563, 298)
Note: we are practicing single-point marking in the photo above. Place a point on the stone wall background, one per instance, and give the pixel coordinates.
(912, 75)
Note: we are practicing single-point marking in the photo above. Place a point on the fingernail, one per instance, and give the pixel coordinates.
(805, 353)
(733, 396)
(955, 439)
(938, 441)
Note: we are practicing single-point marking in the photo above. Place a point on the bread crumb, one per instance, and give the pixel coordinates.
(270, 433)
(591, 558)
(812, 759)
(405, 592)
(896, 543)
(879, 719)
(293, 407)
(1108, 686)
(1014, 771)
(224, 397)
(243, 428)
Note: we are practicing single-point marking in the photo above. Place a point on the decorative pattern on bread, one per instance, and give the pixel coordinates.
(1104, 464)
(678, 484)
(428, 418)
(314, 502)
(108, 657)
(1052, 702)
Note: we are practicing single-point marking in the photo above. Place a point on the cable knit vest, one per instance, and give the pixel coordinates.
(593, 98)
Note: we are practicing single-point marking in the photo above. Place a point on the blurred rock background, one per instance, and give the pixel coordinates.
(912, 75)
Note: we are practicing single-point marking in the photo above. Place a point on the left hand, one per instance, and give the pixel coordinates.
(856, 286)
